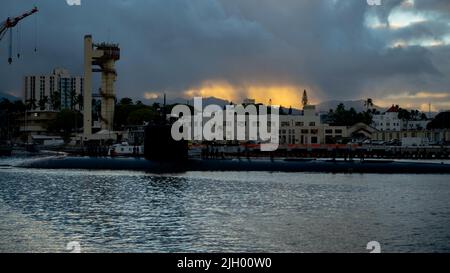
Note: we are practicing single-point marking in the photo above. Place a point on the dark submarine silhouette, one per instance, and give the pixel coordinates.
(165, 155)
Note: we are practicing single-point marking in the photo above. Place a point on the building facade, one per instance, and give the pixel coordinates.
(35, 122)
(415, 137)
(307, 129)
(389, 121)
(53, 92)
(294, 129)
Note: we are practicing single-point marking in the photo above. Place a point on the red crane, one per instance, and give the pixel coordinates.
(9, 24)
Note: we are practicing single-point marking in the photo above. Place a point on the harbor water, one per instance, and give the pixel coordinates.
(133, 211)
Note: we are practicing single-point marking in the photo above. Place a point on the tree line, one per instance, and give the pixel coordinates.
(348, 117)
(129, 112)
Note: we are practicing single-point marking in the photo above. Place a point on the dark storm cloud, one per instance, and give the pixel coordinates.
(174, 45)
(165, 44)
(331, 48)
(433, 5)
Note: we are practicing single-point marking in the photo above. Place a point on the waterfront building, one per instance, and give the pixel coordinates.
(415, 124)
(304, 128)
(35, 122)
(390, 121)
(421, 137)
(361, 131)
(307, 128)
(53, 92)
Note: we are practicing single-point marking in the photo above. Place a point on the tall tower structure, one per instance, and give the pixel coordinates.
(103, 56)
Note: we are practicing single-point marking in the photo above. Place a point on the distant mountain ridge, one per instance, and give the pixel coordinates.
(9, 97)
(206, 101)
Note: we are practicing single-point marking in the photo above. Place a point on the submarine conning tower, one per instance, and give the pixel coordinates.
(159, 144)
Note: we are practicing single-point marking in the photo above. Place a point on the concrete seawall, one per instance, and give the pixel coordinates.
(244, 165)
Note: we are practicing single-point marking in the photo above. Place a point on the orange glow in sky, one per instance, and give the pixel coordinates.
(284, 95)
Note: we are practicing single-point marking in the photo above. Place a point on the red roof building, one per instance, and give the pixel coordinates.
(393, 109)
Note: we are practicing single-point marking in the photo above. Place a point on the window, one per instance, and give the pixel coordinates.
(299, 124)
(305, 131)
(314, 140)
(312, 124)
(328, 131)
(329, 140)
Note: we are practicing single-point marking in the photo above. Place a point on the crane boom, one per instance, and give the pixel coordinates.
(12, 22)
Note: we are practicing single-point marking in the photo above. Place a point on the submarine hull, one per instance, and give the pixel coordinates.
(243, 165)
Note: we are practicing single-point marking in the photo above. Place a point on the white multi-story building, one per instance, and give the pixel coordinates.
(415, 125)
(301, 129)
(294, 129)
(308, 129)
(389, 121)
(52, 92)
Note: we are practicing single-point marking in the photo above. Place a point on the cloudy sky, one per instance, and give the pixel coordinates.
(398, 52)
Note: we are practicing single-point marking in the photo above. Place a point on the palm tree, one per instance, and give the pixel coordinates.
(55, 100)
(42, 103)
(80, 102)
(31, 104)
(405, 116)
(368, 103)
(73, 95)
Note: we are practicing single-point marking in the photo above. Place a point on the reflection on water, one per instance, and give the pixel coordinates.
(111, 211)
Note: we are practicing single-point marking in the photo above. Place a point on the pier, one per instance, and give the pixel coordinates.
(343, 151)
